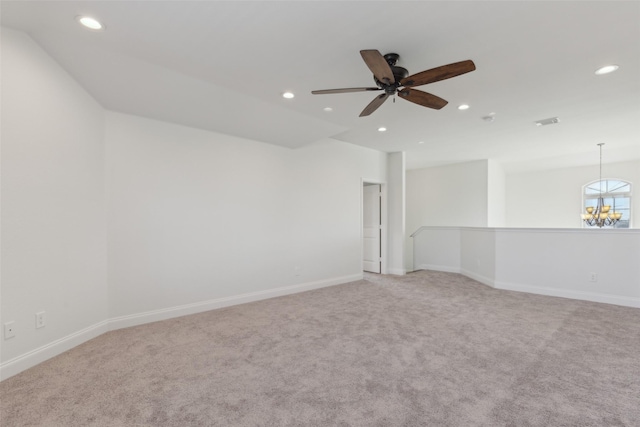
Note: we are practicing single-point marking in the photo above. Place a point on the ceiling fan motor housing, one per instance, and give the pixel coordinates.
(399, 73)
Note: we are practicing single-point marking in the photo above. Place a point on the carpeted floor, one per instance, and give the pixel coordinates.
(426, 349)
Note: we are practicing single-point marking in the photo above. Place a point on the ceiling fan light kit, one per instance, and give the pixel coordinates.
(393, 79)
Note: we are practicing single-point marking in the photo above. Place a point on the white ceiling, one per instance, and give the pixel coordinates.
(223, 65)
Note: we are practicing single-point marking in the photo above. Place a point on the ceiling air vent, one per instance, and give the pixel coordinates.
(551, 121)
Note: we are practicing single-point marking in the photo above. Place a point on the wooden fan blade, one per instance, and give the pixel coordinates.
(378, 66)
(373, 105)
(344, 90)
(439, 73)
(422, 98)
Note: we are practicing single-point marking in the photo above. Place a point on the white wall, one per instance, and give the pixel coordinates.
(560, 262)
(197, 216)
(450, 195)
(480, 194)
(477, 254)
(556, 262)
(437, 248)
(396, 225)
(53, 201)
(496, 195)
(553, 198)
(110, 220)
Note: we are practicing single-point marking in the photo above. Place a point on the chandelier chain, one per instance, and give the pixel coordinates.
(600, 215)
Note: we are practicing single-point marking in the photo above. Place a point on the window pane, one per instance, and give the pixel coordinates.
(590, 203)
(608, 186)
(621, 203)
(614, 186)
(592, 189)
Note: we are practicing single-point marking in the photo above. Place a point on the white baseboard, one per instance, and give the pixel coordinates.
(39, 355)
(434, 267)
(397, 271)
(199, 307)
(563, 293)
(25, 361)
(540, 290)
(479, 278)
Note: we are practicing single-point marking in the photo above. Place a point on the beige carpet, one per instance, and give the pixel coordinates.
(427, 349)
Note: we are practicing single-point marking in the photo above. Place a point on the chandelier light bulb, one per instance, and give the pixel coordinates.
(600, 215)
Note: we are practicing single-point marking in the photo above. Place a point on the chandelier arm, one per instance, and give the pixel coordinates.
(594, 217)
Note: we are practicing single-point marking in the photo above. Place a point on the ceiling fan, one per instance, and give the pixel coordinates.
(393, 79)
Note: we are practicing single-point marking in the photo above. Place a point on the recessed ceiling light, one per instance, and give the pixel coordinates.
(420, 142)
(288, 95)
(606, 69)
(382, 129)
(90, 23)
(463, 107)
(328, 109)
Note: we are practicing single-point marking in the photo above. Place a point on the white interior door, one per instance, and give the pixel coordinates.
(372, 230)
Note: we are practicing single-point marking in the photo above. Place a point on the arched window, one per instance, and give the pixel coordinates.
(615, 192)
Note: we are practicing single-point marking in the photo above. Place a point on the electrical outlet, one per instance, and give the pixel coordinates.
(40, 319)
(297, 271)
(9, 330)
(593, 277)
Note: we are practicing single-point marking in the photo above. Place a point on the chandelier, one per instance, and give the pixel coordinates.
(600, 215)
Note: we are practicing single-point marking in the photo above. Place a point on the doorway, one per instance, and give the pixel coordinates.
(372, 228)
